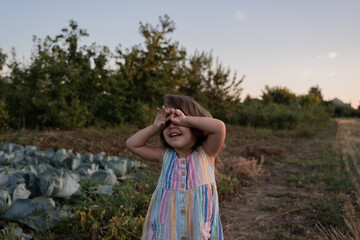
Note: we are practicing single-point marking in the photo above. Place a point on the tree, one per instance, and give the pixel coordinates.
(3, 58)
(63, 84)
(67, 85)
(315, 91)
(279, 95)
(148, 72)
(212, 86)
(4, 115)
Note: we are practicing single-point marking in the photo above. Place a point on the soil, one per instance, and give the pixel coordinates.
(273, 207)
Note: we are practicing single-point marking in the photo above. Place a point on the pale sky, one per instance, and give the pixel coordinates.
(291, 43)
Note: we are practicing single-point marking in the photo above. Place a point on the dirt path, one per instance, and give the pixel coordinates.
(348, 141)
(281, 206)
(267, 210)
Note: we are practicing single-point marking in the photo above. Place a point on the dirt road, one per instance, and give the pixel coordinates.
(295, 197)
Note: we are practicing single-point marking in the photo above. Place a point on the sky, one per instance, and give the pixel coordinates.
(289, 43)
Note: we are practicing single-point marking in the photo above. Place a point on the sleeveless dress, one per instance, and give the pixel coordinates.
(185, 204)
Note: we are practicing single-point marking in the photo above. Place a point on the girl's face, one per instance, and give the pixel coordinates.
(179, 137)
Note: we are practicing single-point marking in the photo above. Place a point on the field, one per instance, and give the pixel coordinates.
(273, 184)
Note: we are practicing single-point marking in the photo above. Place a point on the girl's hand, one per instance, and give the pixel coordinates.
(162, 117)
(177, 117)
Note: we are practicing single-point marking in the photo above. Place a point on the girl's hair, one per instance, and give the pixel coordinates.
(189, 107)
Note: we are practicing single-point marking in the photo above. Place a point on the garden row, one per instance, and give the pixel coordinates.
(30, 179)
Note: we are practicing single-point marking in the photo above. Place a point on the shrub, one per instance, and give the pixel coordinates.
(4, 116)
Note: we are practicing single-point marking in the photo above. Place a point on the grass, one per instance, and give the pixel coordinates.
(268, 208)
(283, 236)
(281, 195)
(348, 139)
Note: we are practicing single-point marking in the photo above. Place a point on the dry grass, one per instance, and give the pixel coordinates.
(244, 167)
(267, 153)
(335, 234)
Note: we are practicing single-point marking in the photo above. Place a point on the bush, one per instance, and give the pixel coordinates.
(281, 116)
(344, 111)
(4, 116)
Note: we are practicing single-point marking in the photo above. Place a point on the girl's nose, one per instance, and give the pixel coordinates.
(172, 125)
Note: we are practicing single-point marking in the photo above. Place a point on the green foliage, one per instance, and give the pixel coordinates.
(279, 108)
(329, 213)
(214, 87)
(4, 116)
(278, 95)
(308, 100)
(69, 86)
(227, 186)
(3, 57)
(254, 113)
(315, 91)
(147, 74)
(344, 111)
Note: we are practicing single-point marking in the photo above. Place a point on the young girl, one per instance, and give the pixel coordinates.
(185, 202)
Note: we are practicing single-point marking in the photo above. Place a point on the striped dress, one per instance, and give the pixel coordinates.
(185, 203)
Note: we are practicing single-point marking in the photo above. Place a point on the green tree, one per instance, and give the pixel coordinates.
(278, 95)
(148, 72)
(213, 86)
(308, 100)
(58, 76)
(67, 85)
(62, 85)
(3, 58)
(315, 91)
(4, 115)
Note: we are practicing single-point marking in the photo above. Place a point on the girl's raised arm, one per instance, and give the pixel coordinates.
(137, 143)
(215, 128)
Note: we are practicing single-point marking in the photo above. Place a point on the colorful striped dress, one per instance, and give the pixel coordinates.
(185, 203)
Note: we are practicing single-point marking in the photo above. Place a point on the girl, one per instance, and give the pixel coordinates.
(185, 202)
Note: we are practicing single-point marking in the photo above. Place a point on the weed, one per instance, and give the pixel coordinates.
(282, 236)
(8, 234)
(280, 195)
(267, 208)
(227, 186)
(294, 161)
(297, 180)
(329, 212)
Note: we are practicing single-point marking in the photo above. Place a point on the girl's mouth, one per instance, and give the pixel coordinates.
(174, 135)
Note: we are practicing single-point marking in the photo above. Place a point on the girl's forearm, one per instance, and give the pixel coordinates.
(209, 125)
(140, 138)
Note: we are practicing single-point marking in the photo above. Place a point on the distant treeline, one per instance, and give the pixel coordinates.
(68, 86)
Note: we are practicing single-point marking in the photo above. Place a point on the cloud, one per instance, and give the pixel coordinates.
(330, 55)
(331, 74)
(239, 15)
